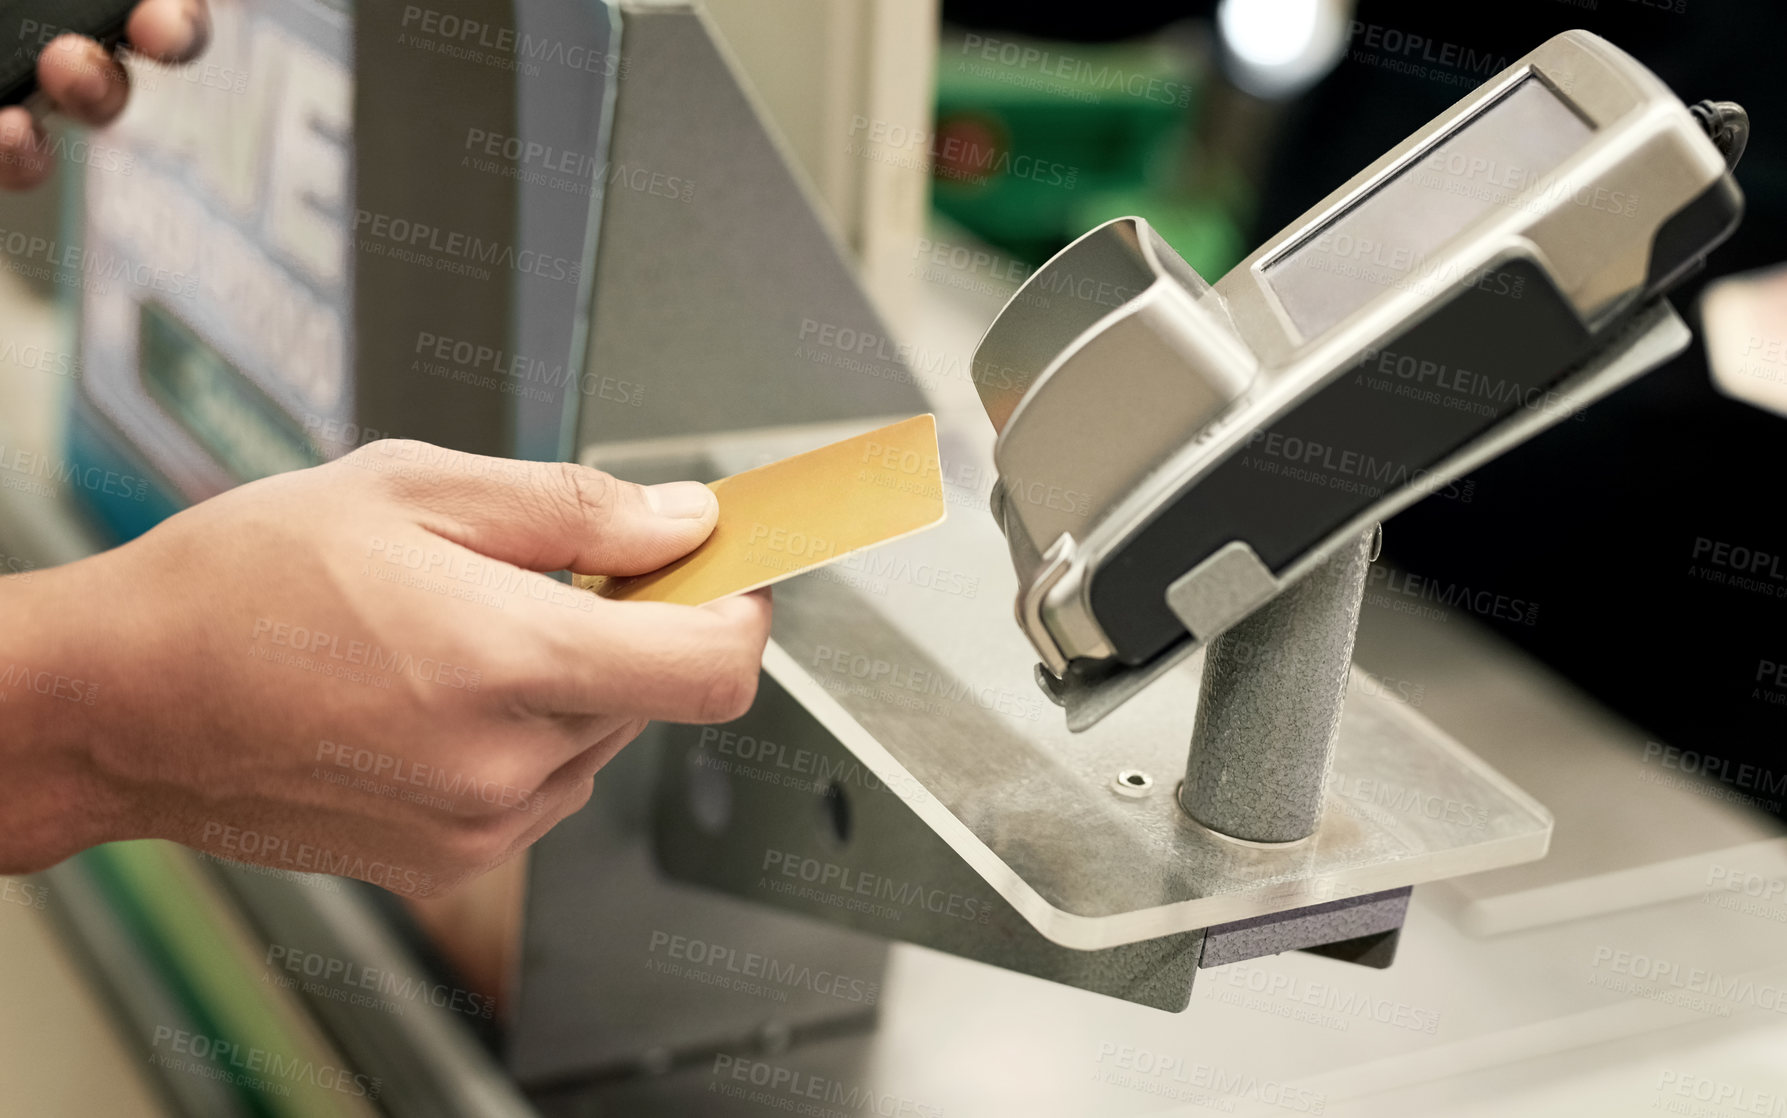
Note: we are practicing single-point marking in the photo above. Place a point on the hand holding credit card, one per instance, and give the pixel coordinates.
(802, 513)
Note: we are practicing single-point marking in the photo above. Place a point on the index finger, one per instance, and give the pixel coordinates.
(669, 663)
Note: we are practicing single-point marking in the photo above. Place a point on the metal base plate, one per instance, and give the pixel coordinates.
(910, 658)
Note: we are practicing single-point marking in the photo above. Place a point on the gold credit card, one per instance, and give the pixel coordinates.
(802, 513)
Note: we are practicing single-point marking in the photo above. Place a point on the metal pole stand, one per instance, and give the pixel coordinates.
(1267, 726)
(1269, 709)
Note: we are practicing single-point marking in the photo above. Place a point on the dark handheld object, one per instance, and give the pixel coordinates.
(28, 26)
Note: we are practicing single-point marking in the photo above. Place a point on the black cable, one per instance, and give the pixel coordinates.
(1727, 124)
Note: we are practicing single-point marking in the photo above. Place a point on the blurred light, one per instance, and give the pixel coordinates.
(1268, 32)
(1740, 317)
(1279, 48)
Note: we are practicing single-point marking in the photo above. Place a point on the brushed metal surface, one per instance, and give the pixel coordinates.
(910, 659)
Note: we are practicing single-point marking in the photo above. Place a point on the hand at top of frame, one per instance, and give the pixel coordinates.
(82, 80)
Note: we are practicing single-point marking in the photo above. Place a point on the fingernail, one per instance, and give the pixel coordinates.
(680, 500)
